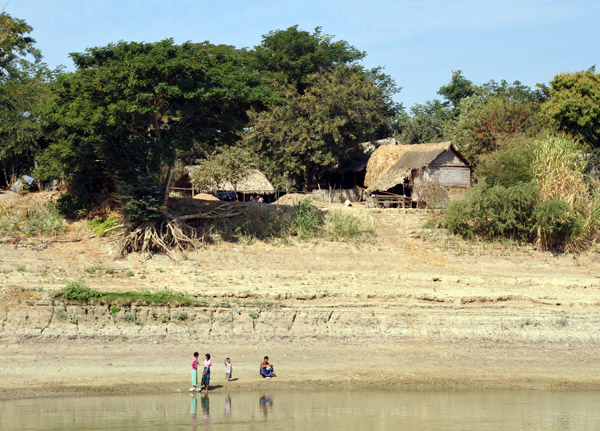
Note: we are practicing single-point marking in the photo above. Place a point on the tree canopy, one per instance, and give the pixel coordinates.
(130, 107)
(321, 128)
(297, 54)
(574, 105)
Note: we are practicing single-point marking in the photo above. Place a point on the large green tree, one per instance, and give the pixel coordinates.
(130, 107)
(296, 54)
(23, 93)
(497, 111)
(574, 105)
(322, 127)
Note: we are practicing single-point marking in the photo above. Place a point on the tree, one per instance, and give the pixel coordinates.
(23, 94)
(130, 107)
(296, 54)
(15, 46)
(428, 123)
(457, 89)
(496, 112)
(227, 164)
(574, 105)
(314, 131)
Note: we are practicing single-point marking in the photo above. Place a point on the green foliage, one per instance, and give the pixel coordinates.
(457, 89)
(181, 316)
(128, 317)
(510, 165)
(23, 95)
(61, 314)
(39, 220)
(341, 225)
(306, 220)
(114, 309)
(495, 114)
(142, 198)
(497, 211)
(227, 164)
(429, 123)
(555, 223)
(322, 127)
(77, 291)
(100, 225)
(131, 107)
(297, 54)
(574, 105)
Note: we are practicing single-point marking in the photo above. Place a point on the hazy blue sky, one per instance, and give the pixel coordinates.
(418, 42)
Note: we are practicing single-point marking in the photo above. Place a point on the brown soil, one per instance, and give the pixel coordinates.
(403, 312)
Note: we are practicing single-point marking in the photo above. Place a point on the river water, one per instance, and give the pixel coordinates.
(316, 411)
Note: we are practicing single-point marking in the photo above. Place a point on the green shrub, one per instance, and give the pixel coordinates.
(306, 220)
(77, 291)
(555, 223)
(343, 225)
(114, 309)
(128, 317)
(101, 224)
(44, 220)
(142, 198)
(182, 316)
(496, 211)
(61, 314)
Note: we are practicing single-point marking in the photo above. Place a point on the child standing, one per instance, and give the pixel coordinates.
(206, 373)
(228, 368)
(194, 372)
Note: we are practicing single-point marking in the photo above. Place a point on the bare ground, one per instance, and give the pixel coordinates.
(403, 312)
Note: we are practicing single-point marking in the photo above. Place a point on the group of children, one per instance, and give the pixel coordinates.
(266, 371)
(205, 381)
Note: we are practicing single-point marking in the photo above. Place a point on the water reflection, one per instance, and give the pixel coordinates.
(205, 407)
(400, 410)
(265, 403)
(227, 405)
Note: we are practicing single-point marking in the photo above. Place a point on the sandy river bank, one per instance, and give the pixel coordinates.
(399, 313)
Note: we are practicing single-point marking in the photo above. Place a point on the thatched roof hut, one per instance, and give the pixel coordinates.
(254, 182)
(390, 166)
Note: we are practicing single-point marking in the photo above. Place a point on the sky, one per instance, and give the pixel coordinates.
(417, 42)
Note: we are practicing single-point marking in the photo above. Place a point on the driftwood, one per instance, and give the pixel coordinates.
(164, 236)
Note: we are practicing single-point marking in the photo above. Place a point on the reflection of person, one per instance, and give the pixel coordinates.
(193, 407)
(266, 369)
(205, 403)
(194, 371)
(228, 369)
(265, 401)
(206, 373)
(227, 405)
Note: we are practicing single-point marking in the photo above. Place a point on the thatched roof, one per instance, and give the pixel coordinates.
(382, 160)
(367, 150)
(255, 181)
(389, 166)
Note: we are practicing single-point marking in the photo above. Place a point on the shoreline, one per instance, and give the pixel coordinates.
(91, 369)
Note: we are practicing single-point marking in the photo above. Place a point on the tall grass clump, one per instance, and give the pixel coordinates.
(306, 221)
(347, 227)
(31, 220)
(558, 165)
(535, 191)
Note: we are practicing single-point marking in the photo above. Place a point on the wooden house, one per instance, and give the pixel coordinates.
(418, 174)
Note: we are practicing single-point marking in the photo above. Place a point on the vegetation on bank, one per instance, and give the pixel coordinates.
(296, 106)
(79, 293)
(540, 194)
(27, 220)
(304, 223)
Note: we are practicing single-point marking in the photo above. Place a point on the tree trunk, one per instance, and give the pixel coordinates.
(168, 185)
